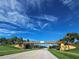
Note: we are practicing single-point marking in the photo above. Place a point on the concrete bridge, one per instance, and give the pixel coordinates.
(27, 44)
(60, 43)
(42, 42)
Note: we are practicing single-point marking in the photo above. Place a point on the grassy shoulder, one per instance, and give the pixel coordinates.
(63, 55)
(6, 50)
(74, 50)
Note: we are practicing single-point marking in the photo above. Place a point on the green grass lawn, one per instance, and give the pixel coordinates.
(74, 50)
(63, 55)
(5, 50)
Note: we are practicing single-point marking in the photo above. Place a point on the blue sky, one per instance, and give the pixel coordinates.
(38, 19)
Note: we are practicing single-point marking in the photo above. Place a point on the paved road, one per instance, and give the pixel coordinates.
(35, 54)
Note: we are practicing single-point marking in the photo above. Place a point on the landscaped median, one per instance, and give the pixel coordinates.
(6, 50)
(64, 55)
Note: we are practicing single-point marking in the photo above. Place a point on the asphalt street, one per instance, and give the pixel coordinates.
(34, 54)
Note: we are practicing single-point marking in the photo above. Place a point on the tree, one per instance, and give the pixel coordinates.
(70, 37)
(28, 40)
(16, 40)
(13, 40)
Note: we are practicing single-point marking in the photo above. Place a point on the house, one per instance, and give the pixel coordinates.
(69, 46)
(66, 46)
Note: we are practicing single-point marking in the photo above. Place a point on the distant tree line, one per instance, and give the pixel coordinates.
(13, 40)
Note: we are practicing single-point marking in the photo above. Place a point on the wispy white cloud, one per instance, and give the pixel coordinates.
(72, 4)
(32, 27)
(66, 1)
(11, 12)
(33, 3)
(6, 31)
(42, 25)
(20, 20)
(2, 35)
(35, 29)
(45, 25)
(15, 18)
(39, 23)
(47, 17)
(50, 18)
